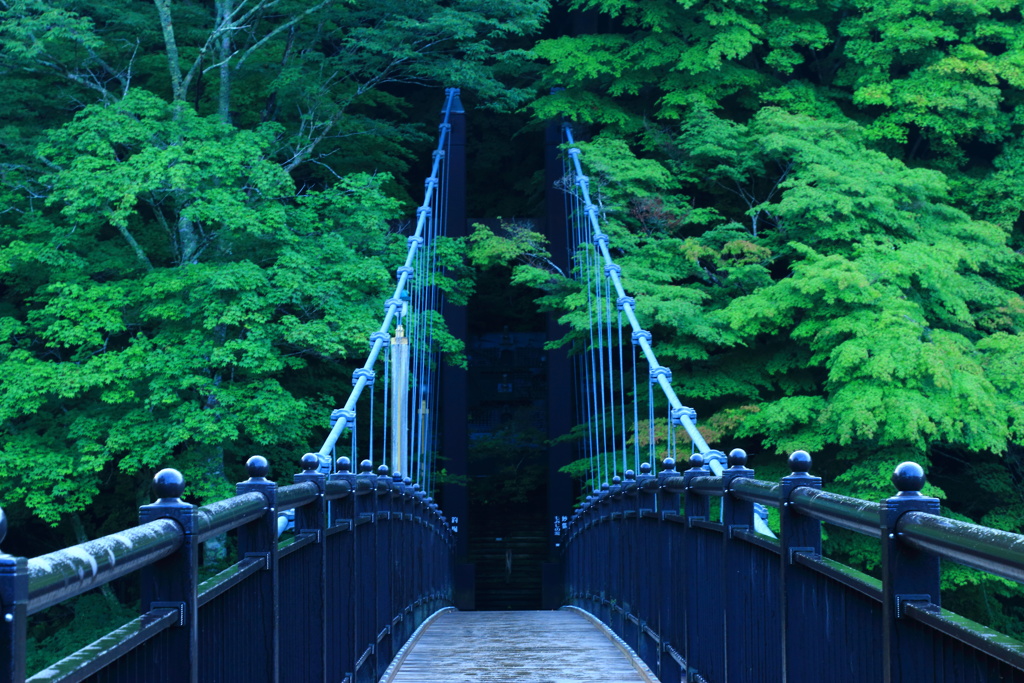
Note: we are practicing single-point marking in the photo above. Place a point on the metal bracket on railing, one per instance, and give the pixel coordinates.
(903, 599)
(180, 606)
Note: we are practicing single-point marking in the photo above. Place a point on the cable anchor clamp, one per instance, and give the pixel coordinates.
(642, 334)
(621, 303)
(612, 268)
(678, 413)
(383, 337)
(340, 413)
(363, 372)
(660, 371)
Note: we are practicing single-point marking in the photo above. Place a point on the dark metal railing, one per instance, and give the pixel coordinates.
(703, 597)
(369, 561)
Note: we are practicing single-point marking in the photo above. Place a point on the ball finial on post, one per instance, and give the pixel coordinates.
(668, 465)
(737, 458)
(258, 468)
(344, 464)
(382, 471)
(630, 475)
(696, 461)
(168, 485)
(309, 462)
(909, 479)
(366, 467)
(645, 468)
(800, 462)
(3, 525)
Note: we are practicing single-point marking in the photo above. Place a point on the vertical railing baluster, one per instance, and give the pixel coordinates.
(799, 609)
(173, 582)
(908, 576)
(14, 603)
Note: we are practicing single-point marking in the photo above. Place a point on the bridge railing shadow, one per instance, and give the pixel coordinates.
(370, 559)
(701, 596)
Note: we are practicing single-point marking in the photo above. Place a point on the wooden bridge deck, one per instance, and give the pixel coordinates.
(527, 647)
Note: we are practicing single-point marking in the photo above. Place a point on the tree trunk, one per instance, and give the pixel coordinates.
(224, 11)
(163, 9)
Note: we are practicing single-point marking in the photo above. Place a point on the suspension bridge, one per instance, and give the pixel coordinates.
(348, 571)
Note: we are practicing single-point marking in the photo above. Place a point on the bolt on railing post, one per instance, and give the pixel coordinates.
(736, 578)
(798, 534)
(14, 604)
(173, 582)
(258, 539)
(312, 519)
(908, 576)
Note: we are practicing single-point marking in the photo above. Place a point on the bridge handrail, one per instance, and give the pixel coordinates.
(850, 513)
(336, 489)
(990, 550)
(395, 520)
(224, 515)
(758, 491)
(62, 574)
(646, 527)
(296, 495)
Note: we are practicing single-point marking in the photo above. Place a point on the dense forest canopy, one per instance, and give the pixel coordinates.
(199, 205)
(817, 205)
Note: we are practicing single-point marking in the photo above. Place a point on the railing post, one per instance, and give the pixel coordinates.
(173, 582)
(616, 557)
(798, 534)
(634, 563)
(666, 553)
(258, 539)
(695, 507)
(383, 570)
(363, 568)
(647, 593)
(737, 576)
(908, 576)
(343, 591)
(312, 641)
(14, 599)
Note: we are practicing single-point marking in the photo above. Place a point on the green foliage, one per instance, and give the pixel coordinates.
(66, 628)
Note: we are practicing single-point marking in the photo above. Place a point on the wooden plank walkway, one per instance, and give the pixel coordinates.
(525, 647)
